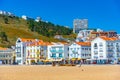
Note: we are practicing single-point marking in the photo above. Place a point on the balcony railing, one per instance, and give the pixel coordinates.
(56, 51)
(53, 50)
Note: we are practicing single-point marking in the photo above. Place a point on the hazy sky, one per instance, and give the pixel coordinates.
(104, 14)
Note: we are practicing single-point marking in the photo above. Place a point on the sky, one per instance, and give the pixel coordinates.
(103, 14)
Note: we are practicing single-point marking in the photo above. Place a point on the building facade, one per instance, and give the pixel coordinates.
(6, 56)
(36, 51)
(105, 50)
(83, 35)
(79, 24)
(21, 49)
(80, 50)
(6, 13)
(57, 51)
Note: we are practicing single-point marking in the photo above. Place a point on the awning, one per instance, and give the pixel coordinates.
(78, 58)
(56, 59)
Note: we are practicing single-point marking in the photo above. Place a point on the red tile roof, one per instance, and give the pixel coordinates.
(3, 48)
(84, 43)
(109, 39)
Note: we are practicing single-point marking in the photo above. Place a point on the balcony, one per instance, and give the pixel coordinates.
(60, 51)
(53, 51)
(110, 50)
(56, 51)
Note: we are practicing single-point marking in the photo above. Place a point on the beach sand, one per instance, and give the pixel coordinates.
(86, 72)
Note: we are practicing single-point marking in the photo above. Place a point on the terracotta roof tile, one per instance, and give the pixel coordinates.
(108, 39)
(84, 43)
(27, 40)
(3, 48)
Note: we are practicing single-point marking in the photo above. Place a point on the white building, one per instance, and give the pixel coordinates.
(21, 49)
(57, 51)
(38, 19)
(24, 17)
(83, 35)
(79, 24)
(105, 50)
(6, 55)
(6, 13)
(80, 50)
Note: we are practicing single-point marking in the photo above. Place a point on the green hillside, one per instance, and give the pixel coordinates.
(15, 27)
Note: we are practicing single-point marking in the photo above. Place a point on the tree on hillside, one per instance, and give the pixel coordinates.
(47, 28)
(6, 20)
(3, 36)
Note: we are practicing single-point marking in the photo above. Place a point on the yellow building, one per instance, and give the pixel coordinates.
(35, 52)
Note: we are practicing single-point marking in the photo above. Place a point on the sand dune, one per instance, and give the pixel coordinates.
(86, 72)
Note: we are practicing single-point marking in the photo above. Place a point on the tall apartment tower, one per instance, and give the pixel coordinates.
(79, 24)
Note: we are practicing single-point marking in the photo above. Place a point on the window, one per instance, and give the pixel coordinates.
(117, 45)
(96, 53)
(18, 41)
(95, 45)
(100, 44)
(18, 55)
(54, 55)
(101, 51)
(71, 55)
(74, 48)
(18, 61)
(82, 54)
(101, 56)
(60, 55)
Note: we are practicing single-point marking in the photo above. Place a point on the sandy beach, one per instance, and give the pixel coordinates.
(86, 72)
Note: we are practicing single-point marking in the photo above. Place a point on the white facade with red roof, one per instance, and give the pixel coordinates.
(6, 55)
(80, 50)
(21, 49)
(57, 51)
(105, 50)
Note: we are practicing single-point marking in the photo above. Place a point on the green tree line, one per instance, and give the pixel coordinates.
(47, 28)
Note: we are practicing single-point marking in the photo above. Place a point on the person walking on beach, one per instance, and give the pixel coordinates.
(81, 62)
